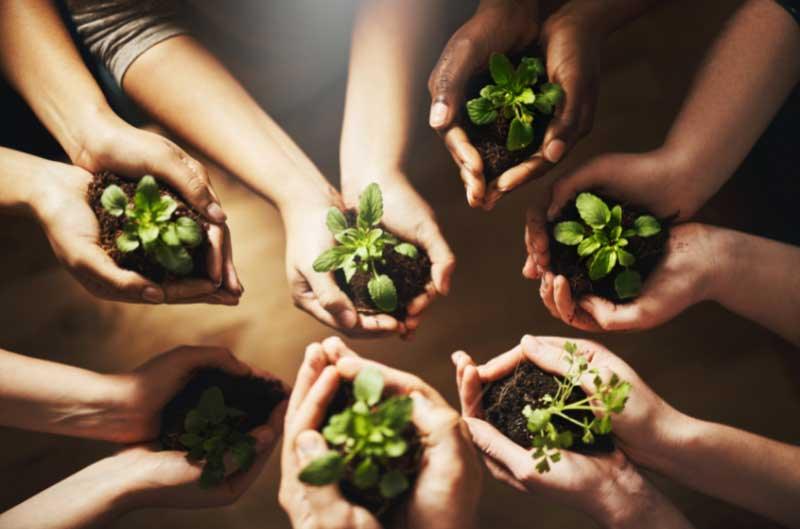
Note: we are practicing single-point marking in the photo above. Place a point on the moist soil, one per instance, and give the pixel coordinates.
(408, 464)
(503, 401)
(564, 260)
(255, 396)
(408, 275)
(138, 260)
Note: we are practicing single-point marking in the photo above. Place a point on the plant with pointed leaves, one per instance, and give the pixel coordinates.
(361, 247)
(601, 240)
(149, 224)
(211, 433)
(367, 436)
(609, 397)
(515, 96)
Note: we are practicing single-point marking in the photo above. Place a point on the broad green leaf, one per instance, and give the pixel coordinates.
(347, 237)
(481, 111)
(569, 232)
(395, 447)
(625, 258)
(588, 246)
(616, 218)
(537, 418)
(189, 231)
(349, 267)
(383, 293)
(501, 69)
(520, 135)
(407, 249)
(368, 385)
(370, 206)
(593, 211)
(628, 284)
(497, 95)
(336, 431)
(174, 258)
(602, 263)
(393, 483)
(395, 412)
(164, 208)
(549, 97)
(373, 236)
(366, 474)
(529, 70)
(212, 405)
(243, 455)
(646, 226)
(564, 439)
(194, 422)
(147, 194)
(526, 97)
(114, 200)
(326, 469)
(336, 221)
(630, 232)
(148, 233)
(331, 259)
(190, 440)
(127, 242)
(169, 234)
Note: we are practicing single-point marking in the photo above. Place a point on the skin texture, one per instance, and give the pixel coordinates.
(449, 475)
(51, 76)
(607, 487)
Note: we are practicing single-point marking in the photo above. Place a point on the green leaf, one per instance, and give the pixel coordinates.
(213, 474)
(537, 418)
(164, 208)
(336, 221)
(395, 447)
(628, 284)
(646, 226)
(616, 218)
(593, 210)
(190, 440)
(147, 194)
(497, 95)
(212, 405)
(243, 454)
(393, 483)
(588, 246)
(526, 97)
(407, 249)
(368, 385)
(326, 469)
(602, 263)
(395, 412)
(148, 233)
(481, 111)
(370, 206)
(114, 200)
(625, 258)
(194, 422)
(169, 234)
(529, 70)
(335, 432)
(174, 258)
(127, 242)
(189, 232)
(383, 293)
(349, 267)
(630, 232)
(520, 135)
(501, 69)
(569, 232)
(331, 259)
(366, 474)
(548, 98)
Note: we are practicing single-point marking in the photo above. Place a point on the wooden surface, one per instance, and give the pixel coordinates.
(706, 362)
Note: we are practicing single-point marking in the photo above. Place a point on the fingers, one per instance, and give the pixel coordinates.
(469, 384)
(537, 242)
(311, 368)
(546, 291)
(103, 278)
(591, 175)
(443, 262)
(268, 435)
(214, 258)
(503, 451)
(309, 445)
(568, 311)
(548, 356)
(448, 79)
(421, 302)
(531, 169)
(230, 278)
(331, 300)
(349, 367)
(311, 411)
(612, 317)
(470, 165)
(380, 323)
(431, 419)
(191, 291)
(502, 365)
(335, 349)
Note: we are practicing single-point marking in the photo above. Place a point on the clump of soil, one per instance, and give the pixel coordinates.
(255, 396)
(564, 260)
(408, 275)
(409, 463)
(138, 261)
(503, 401)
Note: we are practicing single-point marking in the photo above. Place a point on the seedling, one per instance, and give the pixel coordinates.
(367, 436)
(515, 95)
(149, 224)
(609, 397)
(361, 247)
(601, 241)
(211, 434)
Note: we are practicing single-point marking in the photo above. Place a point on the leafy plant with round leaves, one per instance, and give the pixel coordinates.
(361, 246)
(601, 240)
(516, 95)
(210, 433)
(149, 225)
(609, 398)
(365, 438)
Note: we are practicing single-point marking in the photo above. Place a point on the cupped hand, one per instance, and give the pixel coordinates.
(74, 234)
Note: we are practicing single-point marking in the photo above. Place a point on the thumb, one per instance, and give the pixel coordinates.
(612, 317)
(308, 446)
(332, 299)
(443, 262)
(103, 278)
(447, 81)
(589, 176)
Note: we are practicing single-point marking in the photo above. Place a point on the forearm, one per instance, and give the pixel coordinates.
(20, 174)
(747, 75)
(60, 399)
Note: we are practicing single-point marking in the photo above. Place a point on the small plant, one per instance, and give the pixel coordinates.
(149, 224)
(513, 97)
(367, 436)
(601, 240)
(361, 247)
(210, 434)
(609, 397)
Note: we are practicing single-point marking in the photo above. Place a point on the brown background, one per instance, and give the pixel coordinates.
(706, 362)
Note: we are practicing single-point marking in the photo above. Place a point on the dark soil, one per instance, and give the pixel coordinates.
(564, 260)
(137, 260)
(371, 499)
(504, 400)
(255, 396)
(409, 276)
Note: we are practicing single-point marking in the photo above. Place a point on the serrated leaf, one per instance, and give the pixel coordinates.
(393, 483)
(407, 249)
(616, 218)
(646, 226)
(326, 469)
(501, 69)
(114, 200)
(174, 258)
(537, 418)
(481, 111)
(147, 194)
(497, 95)
(520, 135)
(383, 293)
(164, 208)
(331, 259)
(336, 221)
(628, 284)
(602, 263)
(593, 210)
(368, 385)
(366, 474)
(189, 232)
(127, 242)
(349, 267)
(569, 232)
(370, 206)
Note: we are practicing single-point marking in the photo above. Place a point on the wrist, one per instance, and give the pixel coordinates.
(88, 133)
(631, 502)
(728, 252)
(22, 179)
(355, 177)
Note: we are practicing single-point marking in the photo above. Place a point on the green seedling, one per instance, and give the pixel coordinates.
(609, 397)
(211, 434)
(601, 239)
(361, 246)
(367, 436)
(149, 224)
(516, 95)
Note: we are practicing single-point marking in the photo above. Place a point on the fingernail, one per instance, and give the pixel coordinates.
(555, 150)
(438, 115)
(153, 295)
(215, 212)
(310, 445)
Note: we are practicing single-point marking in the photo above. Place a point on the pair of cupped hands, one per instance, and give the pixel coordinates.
(450, 470)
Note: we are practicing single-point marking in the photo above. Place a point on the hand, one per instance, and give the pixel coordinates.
(607, 486)
(74, 232)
